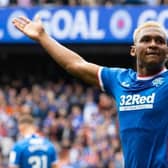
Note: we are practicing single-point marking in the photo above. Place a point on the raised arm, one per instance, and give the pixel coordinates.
(69, 60)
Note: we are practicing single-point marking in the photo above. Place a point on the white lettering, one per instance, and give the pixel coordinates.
(61, 17)
(1, 34)
(63, 24)
(128, 100)
(147, 15)
(95, 33)
(136, 102)
(142, 100)
(163, 16)
(153, 15)
(45, 16)
(122, 100)
(136, 99)
(37, 147)
(150, 99)
(136, 107)
(16, 34)
(80, 26)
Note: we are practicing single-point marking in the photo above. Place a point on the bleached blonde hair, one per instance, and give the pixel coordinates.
(146, 25)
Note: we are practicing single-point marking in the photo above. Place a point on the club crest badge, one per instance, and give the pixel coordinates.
(158, 82)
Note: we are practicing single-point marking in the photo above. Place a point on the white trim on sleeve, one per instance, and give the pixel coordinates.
(100, 79)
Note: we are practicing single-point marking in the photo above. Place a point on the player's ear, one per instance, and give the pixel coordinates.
(133, 51)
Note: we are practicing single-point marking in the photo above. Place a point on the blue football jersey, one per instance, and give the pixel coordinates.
(142, 106)
(33, 152)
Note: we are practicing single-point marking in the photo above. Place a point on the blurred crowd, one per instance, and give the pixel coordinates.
(28, 3)
(79, 119)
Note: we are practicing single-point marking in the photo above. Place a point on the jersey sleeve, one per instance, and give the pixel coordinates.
(108, 79)
(53, 154)
(15, 156)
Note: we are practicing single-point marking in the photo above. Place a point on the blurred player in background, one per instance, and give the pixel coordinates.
(141, 95)
(33, 151)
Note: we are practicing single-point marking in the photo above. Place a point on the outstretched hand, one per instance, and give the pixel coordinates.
(33, 29)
